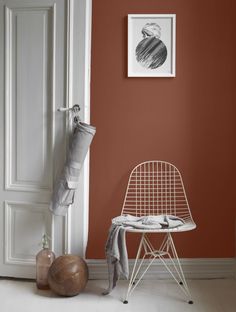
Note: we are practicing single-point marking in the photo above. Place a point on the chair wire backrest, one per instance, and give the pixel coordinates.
(154, 188)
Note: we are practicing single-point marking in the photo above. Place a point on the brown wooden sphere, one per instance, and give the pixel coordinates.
(68, 275)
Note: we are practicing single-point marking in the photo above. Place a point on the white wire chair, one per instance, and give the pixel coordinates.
(156, 188)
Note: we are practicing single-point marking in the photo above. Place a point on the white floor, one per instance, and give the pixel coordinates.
(149, 296)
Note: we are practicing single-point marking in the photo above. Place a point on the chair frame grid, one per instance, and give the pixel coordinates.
(154, 188)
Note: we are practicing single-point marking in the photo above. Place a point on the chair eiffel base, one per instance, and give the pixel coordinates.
(167, 251)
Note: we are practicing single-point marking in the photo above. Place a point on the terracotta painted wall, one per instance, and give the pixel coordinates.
(188, 120)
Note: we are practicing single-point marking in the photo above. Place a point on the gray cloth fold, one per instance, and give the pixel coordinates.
(149, 222)
(117, 257)
(116, 251)
(64, 190)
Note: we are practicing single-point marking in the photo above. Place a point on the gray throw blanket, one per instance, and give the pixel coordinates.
(117, 257)
(149, 222)
(116, 251)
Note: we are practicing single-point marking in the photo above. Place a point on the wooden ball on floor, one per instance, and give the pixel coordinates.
(68, 275)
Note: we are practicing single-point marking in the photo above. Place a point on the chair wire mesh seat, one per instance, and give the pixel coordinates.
(156, 188)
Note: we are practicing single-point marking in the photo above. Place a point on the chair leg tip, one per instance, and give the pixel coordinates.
(190, 302)
(181, 283)
(125, 301)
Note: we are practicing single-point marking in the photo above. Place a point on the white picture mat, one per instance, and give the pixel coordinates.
(135, 24)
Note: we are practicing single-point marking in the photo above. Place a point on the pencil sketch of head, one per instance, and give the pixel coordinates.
(151, 29)
(151, 52)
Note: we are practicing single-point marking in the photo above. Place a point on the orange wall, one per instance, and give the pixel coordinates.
(188, 120)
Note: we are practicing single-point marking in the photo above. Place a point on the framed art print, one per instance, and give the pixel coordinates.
(151, 45)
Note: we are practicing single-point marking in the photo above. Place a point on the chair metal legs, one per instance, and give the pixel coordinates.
(167, 251)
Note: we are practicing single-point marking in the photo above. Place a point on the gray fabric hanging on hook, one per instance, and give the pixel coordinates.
(64, 191)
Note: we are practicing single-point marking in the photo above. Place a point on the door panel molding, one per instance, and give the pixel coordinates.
(21, 220)
(22, 92)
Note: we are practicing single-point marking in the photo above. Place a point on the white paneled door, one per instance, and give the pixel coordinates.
(35, 43)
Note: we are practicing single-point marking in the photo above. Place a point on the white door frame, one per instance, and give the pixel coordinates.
(78, 92)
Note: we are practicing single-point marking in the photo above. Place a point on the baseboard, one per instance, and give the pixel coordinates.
(202, 268)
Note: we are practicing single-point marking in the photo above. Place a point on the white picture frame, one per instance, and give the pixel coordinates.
(151, 45)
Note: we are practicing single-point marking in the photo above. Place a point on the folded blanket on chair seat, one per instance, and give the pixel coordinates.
(149, 222)
(116, 251)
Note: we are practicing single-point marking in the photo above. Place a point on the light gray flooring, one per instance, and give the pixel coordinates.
(149, 296)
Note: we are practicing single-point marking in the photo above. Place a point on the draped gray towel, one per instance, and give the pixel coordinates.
(64, 190)
(117, 257)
